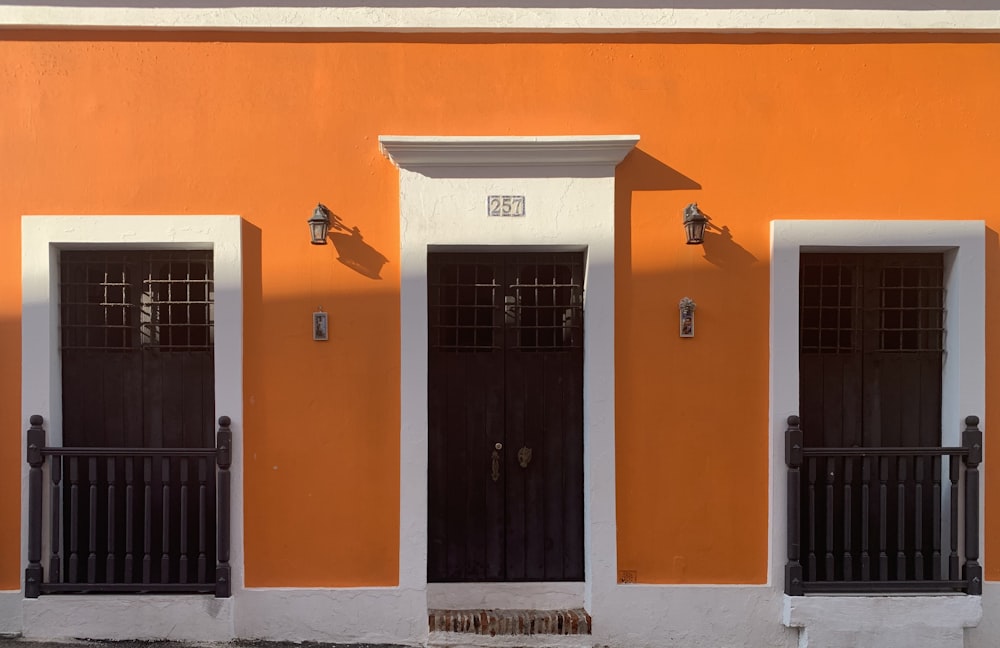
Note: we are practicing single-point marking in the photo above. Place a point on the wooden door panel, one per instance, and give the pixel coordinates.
(830, 400)
(178, 397)
(548, 531)
(102, 404)
(520, 492)
(464, 503)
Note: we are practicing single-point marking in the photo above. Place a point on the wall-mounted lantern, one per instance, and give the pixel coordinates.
(686, 308)
(319, 224)
(695, 223)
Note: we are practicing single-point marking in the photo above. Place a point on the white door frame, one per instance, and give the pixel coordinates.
(42, 237)
(568, 189)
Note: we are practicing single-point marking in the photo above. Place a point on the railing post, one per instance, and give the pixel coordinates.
(33, 573)
(223, 459)
(972, 441)
(793, 459)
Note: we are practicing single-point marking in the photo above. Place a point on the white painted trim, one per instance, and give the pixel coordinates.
(418, 152)
(201, 618)
(883, 621)
(41, 239)
(505, 596)
(359, 615)
(924, 15)
(565, 208)
(964, 372)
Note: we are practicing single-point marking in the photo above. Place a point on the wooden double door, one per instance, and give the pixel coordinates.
(505, 410)
(871, 355)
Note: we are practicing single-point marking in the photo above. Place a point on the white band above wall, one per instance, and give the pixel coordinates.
(782, 15)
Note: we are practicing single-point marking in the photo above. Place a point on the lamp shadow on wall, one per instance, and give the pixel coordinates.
(722, 251)
(353, 251)
(356, 254)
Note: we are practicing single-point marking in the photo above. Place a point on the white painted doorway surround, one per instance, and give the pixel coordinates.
(567, 185)
(923, 621)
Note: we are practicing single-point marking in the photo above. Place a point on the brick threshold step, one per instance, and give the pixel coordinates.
(494, 623)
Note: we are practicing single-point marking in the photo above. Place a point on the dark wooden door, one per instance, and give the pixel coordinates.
(871, 340)
(505, 415)
(136, 346)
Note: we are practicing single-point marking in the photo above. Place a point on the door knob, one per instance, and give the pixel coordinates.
(498, 446)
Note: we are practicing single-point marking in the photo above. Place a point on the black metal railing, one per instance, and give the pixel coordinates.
(866, 520)
(152, 520)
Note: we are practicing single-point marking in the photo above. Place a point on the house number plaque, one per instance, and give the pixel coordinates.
(505, 206)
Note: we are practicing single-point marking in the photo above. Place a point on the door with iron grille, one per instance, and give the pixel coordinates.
(871, 349)
(505, 416)
(136, 345)
(870, 362)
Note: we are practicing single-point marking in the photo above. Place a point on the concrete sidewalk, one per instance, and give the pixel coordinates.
(18, 642)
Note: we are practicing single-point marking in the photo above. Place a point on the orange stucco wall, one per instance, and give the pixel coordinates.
(753, 128)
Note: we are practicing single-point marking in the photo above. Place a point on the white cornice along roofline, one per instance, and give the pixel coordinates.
(414, 152)
(923, 15)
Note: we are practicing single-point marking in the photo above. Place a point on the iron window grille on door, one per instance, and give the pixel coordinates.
(539, 304)
(127, 300)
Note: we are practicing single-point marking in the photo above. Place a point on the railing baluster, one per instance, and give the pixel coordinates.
(828, 566)
(165, 501)
(811, 557)
(866, 479)
(55, 559)
(202, 519)
(883, 514)
(74, 519)
(92, 520)
(918, 518)
(35, 441)
(954, 466)
(129, 519)
(111, 566)
(848, 540)
(224, 458)
(972, 441)
(183, 560)
(936, 518)
(793, 459)
(900, 518)
(147, 519)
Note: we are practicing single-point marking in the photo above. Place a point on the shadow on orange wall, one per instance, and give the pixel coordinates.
(723, 251)
(355, 253)
(11, 455)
